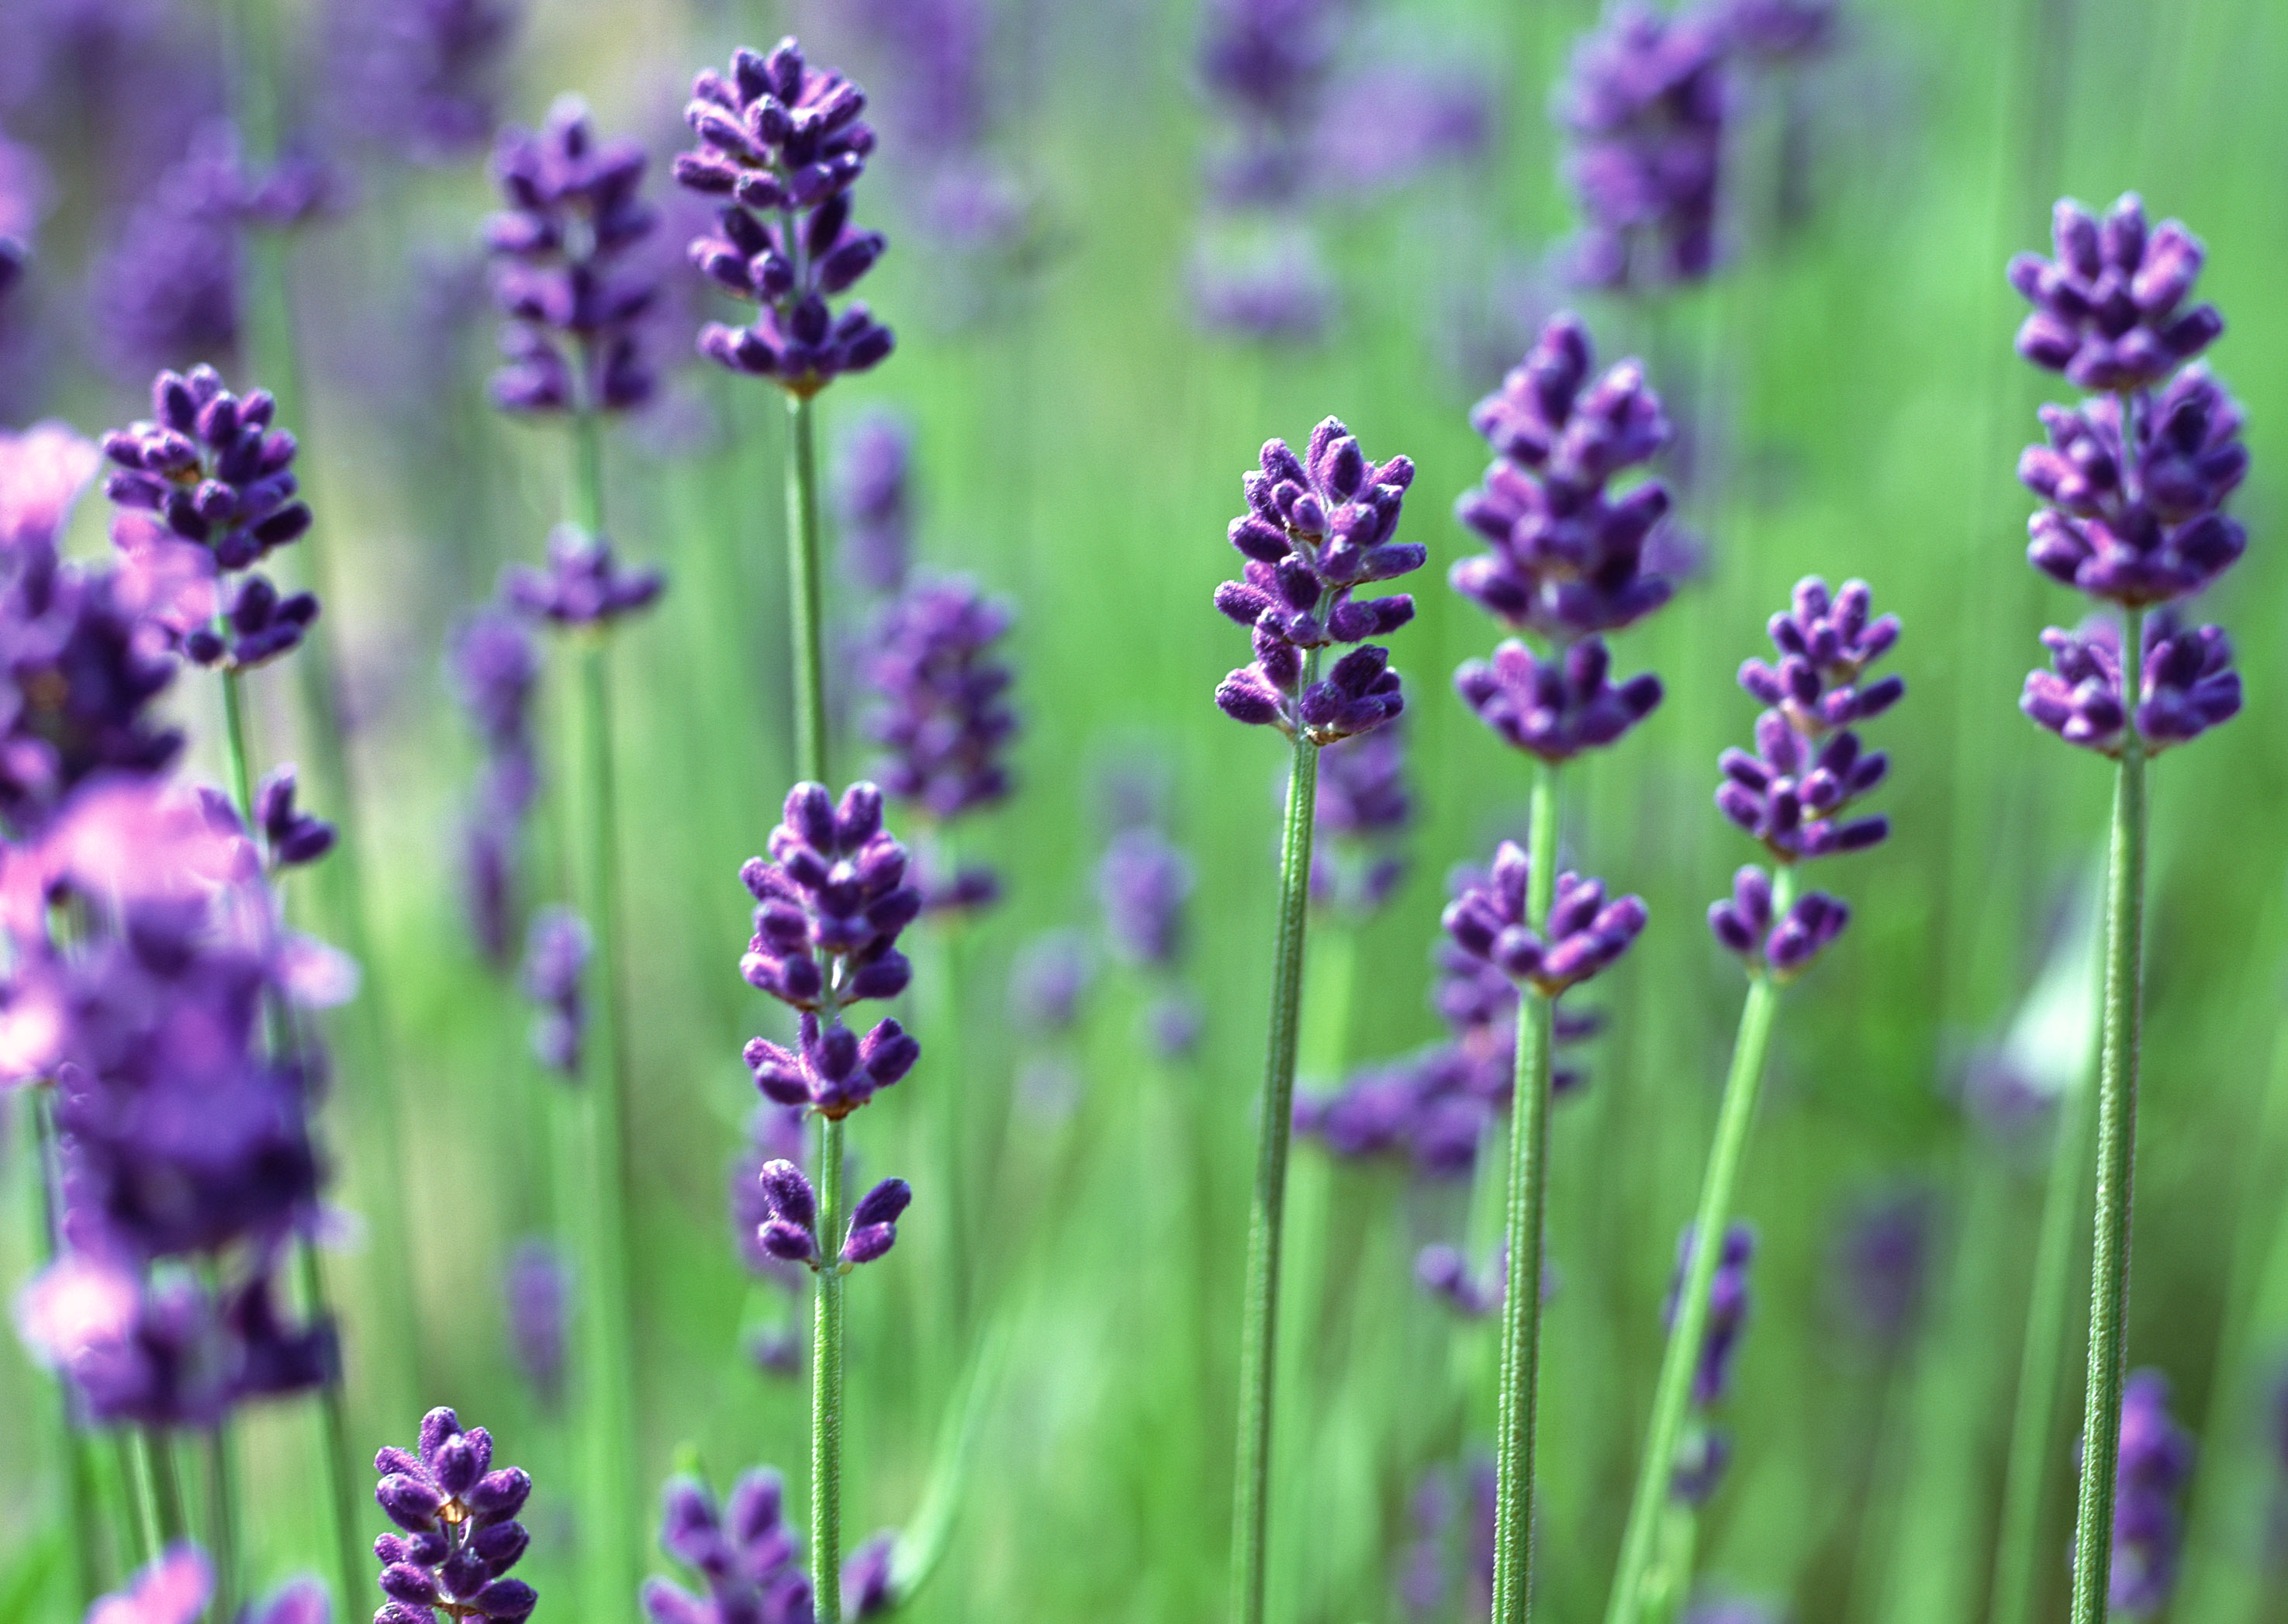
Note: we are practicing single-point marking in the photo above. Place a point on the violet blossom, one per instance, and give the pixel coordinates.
(460, 1537)
(582, 586)
(556, 955)
(791, 1231)
(745, 1556)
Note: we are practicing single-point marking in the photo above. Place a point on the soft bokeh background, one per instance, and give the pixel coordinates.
(1853, 409)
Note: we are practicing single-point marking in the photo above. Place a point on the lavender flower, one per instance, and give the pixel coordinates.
(1442, 1270)
(1267, 63)
(870, 487)
(211, 471)
(1558, 708)
(1274, 290)
(2186, 684)
(2156, 1459)
(564, 270)
(1728, 1309)
(1317, 528)
(790, 1231)
(745, 1553)
(1363, 809)
(173, 1588)
(774, 1133)
(1881, 1260)
(423, 76)
(832, 901)
(1646, 107)
(495, 670)
(939, 710)
(869, 1578)
(1584, 935)
(583, 585)
(460, 1535)
(555, 958)
(1744, 925)
(778, 137)
(1809, 768)
(165, 290)
(1143, 883)
(1047, 980)
(1568, 555)
(292, 837)
(2109, 310)
(44, 471)
(537, 1288)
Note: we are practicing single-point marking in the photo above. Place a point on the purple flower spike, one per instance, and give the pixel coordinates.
(783, 143)
(939, 710)
(2143, 525)
(745, 1556)
(1318, 528)
(1645, 106)
(1744, 925)
(555, 958)
(1585, 934)
(1728, 1310)
(292, 837)
(583, 585)
(2186, 686)
(1143, 883)
(831, 901)
(831, 1069)
(1567, 557)
(2109, 309)
(1558, 708)
(421, 75)
(460, 1537)
(789, 1229)
(561, 272)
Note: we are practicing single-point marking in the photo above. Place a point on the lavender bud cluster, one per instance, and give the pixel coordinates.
(831, 902)
(876, 509)
(783, 142)
(1701, 1462)
(939, 710)
(745, 1556)
(2133, 482)
(556, 953)
(790, 1231)
(1569, 558)
(213, 473)
(1808, 770)
(565, 272)
(1585, 934)
(1317, 528)
(582, 586)
(460, 1533)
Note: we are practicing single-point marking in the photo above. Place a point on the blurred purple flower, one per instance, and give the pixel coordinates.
(555, 961)
(2155, 1463)
(1882, 1263)
(2109, 309)
(1143, 883)
(745, 1553)
(874, 503)
(1276, 291)
(495, 669)
(537, 1287)
(421, 75)
(940, 708)
(583, 585)
(1381, 129)
(173, 1588)
(1363, 810)
(1047, 979)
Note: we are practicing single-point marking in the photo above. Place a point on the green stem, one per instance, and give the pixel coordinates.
(2116, 1150)
(80, 1467)
(222, 1522)
(826, 1384)
(240, 756)
(1673, 1392)
(1260, 1309)
(1525, 1221)
(803, 591)
(608, 1323)
(2017, 1555)
(142, 1503)
(166, 1488)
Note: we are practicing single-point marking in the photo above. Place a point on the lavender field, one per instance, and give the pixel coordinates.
(982, 809)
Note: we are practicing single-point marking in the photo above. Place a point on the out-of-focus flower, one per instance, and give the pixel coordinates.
(42, 471)
(565, 274)
(538, 1290)
(1047, 979)
(2155, 1463)
(421, 75)
(745, 1553)
(941, 711)
(1882, 1260)
(583, 585)
(1364, 808)
(555, 960)
(173, 1588)
(495, 669)
(1744, 924)
(1275, 289)
(877, 511)
(1143, 883)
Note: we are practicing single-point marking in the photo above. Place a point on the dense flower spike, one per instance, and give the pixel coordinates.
(565, 274)
(1585, 934)
(790, 1229)
(1568, 554)
(460, 1537)
(2186, 685)
(583, 584)
(537, 1292)
(871, 496)
(745, 1553)
(1556, 708)
(2155, 1460)
(1363, 810)
(1646, 107)
(1267, 63)
(292, 838)
(1744, 925)
(2109, 309)
(831, 1068)
(1318, 528)
(1810, 767)
(555, 959)
(2139, 524)
(783, 142)
(940, 708)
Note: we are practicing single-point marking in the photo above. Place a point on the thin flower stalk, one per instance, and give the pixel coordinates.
(78, 1454)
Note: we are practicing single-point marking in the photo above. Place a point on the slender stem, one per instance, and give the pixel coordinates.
(1674, 1390)
(826, 1383)
(166, 1486)
(342, 1465)
(609, 1336)
(142, 1503)
(222, 1521)
(1527, 1213)
(588, 471)
(803, 591)
(2116, 1150)
(81, 1507)
(2016, 1549)
(1259, 1310)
